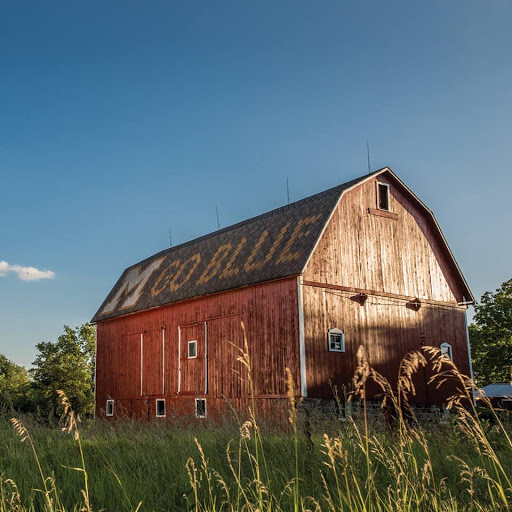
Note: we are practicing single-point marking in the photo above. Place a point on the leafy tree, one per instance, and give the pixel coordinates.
(491, 336)
(67, 365)
(14, 384)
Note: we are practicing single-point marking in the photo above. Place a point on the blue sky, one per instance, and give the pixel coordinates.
(120, 120)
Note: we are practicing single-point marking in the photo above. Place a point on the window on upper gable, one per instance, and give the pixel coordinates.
(382, 196)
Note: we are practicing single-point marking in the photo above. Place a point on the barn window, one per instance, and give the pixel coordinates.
(382, 196)
(446, 350)
(192, 349)
(109, 410)
(160, 408)
(200, 407)
(336, 340)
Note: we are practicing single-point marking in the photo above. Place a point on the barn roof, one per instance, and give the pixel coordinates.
(271, 246)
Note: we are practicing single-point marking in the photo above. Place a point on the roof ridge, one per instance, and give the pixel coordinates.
(280, 209)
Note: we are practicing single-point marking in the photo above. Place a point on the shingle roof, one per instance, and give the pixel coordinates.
(271, 246)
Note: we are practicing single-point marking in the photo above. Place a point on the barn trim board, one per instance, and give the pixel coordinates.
(302, 344)
(333, 262)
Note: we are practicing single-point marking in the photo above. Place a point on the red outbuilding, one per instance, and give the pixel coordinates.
(362, 264)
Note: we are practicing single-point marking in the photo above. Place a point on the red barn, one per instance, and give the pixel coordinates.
(364, 263)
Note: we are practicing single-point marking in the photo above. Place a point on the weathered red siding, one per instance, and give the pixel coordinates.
(270, 315)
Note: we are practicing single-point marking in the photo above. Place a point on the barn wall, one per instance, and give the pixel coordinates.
(394, 259)
(270, 315)
(400, 255)
(386, 328)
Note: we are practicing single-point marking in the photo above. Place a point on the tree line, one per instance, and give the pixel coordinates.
(68, 363)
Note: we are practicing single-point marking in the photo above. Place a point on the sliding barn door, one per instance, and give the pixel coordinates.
(228, 377)
(152, 363)
(193, 360)
(126, 367)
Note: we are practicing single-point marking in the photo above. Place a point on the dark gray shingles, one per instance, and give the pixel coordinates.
(287, 236)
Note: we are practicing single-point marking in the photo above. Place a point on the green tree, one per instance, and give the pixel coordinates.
(491, 336)
(67, 365)
(14, 384)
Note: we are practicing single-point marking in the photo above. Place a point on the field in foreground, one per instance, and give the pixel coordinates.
(462, 464)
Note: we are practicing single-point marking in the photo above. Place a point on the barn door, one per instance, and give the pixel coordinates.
(193, 360)
(126, 366)
(228, 377)
(152, 363)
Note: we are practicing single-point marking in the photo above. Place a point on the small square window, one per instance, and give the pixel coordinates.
(200, 407)
(160, 408)
(336, 340)
(192, 349)
(446, 350)
(109, 410)
(382, 196)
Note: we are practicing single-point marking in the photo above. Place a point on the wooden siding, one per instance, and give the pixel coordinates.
(373, 252)
(386, 328)
(270, 316)
(394, 259)
(152, 359)
(192, 370)
(273, 409)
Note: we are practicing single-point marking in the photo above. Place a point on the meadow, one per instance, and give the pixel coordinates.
(360, 463)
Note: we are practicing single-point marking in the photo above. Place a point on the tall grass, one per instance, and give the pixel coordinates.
(462, 463)
(364, 469)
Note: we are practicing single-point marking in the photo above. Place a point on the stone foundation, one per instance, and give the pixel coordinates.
(344, 410)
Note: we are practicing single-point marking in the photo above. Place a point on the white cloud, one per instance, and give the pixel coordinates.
(25, 273)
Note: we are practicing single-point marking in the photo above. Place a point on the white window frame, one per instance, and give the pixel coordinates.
(379, 184)
(446, 350)
(196, 410)
(188, 349)
(109, 401)
(161, 400)
(337, 332)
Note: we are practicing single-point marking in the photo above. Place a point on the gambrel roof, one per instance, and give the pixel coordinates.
(271, 246)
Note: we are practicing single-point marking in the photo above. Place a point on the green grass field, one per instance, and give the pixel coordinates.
(159, 466)
(322, 464)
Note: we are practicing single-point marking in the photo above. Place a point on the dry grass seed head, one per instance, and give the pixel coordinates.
(69, 418)
(362, 372)
(20, 429)
(290, 393)
(245, 430)
(223, 485)
(14, 500)
(190, 466)
(327, 496)
(409, 365)
(314, 503)
(365, 372)
(444, 369)
(87, 505)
